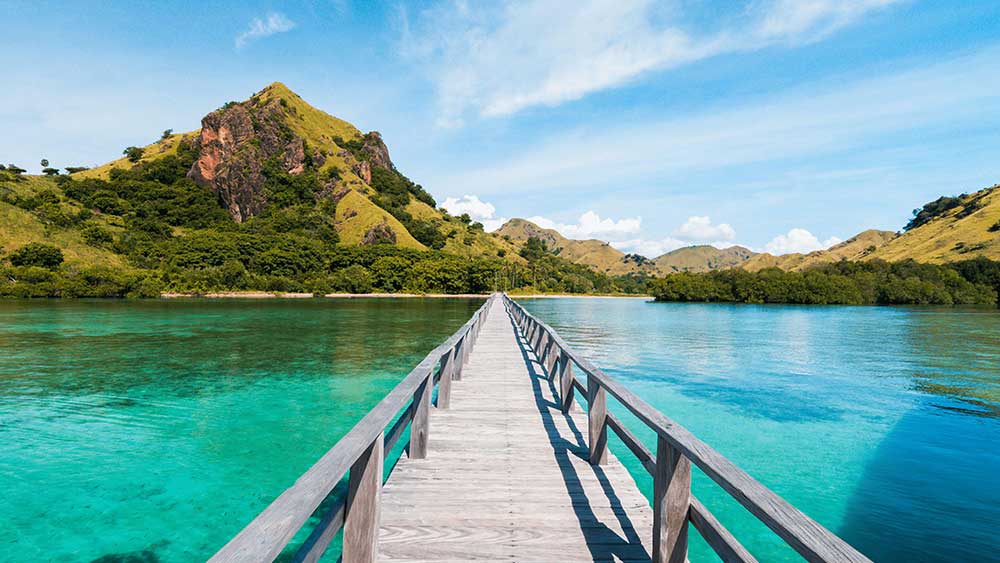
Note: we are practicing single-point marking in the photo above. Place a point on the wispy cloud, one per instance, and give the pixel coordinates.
(496, 62)
(834, 116)
(274, 23)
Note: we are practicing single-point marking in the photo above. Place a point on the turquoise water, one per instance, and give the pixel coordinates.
(155, 430)
(881, 423)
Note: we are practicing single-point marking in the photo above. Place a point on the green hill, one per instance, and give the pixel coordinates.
(269, 194)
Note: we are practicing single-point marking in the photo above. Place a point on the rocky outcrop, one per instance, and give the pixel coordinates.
(363, 171)
(375, 151)
(234, 143)
(379, 234)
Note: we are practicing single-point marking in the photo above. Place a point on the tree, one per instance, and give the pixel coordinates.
(44, 163)
(75, 169)
(166, 134)
(50, 171)
(37, 254)
(134, 154)
(533, 249)
(14, 169)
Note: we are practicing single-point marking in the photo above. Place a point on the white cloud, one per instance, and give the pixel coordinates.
(591, 225)
(490, 225)
(475, 207)
(498, 62)
(259, 28)
(700, 229)
(798, 240)
(649, 248)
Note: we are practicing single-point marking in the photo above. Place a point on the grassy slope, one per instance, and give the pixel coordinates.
(356, 214)
(701, 258)
(19, 227)
(857, 247)
(479, 243)
(594, 253)
(159, 149)
(950, 238)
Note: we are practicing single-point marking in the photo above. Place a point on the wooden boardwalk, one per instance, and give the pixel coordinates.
(511, 467)
(507, 476)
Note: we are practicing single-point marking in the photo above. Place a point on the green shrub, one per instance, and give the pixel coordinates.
(352, 279)
(37, 254)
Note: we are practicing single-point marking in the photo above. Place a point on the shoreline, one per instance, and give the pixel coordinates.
(284, 295)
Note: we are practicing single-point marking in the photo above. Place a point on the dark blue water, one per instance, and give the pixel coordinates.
(881, 423)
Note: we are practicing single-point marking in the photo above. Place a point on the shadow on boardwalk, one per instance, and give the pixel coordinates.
(604, 543)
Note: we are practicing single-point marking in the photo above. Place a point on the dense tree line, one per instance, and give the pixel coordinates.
(849, 283)
(175, 236)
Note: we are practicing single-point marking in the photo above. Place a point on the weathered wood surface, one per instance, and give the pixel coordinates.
(507, 476)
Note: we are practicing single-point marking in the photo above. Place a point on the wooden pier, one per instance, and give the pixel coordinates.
(505, 465)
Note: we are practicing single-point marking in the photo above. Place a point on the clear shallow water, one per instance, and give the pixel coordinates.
(881, 423)
(147, 431)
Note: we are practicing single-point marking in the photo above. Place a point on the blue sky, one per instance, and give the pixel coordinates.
(783, 125)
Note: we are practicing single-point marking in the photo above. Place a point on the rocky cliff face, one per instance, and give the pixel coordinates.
(234, 143)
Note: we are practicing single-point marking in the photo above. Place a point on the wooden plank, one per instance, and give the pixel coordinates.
(523, 489)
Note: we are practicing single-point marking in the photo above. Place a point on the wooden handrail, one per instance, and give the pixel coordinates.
(675, 447)
(361, 451)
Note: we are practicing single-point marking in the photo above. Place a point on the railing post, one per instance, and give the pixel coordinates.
(551, 359)
(361, 518)
(444, 385)
(671, 501)
(565, 382)
(420, 427)
(458, 360)
(536, 345)
(537, 348)
(597, 411)
(466, 348)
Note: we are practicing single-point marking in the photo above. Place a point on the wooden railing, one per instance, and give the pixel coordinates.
(361, 453)
(674, 506)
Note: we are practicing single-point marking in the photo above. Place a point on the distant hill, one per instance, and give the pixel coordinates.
(606, 258)
(701, 258)
(857, 247)
(949, 229)
(594, 253)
